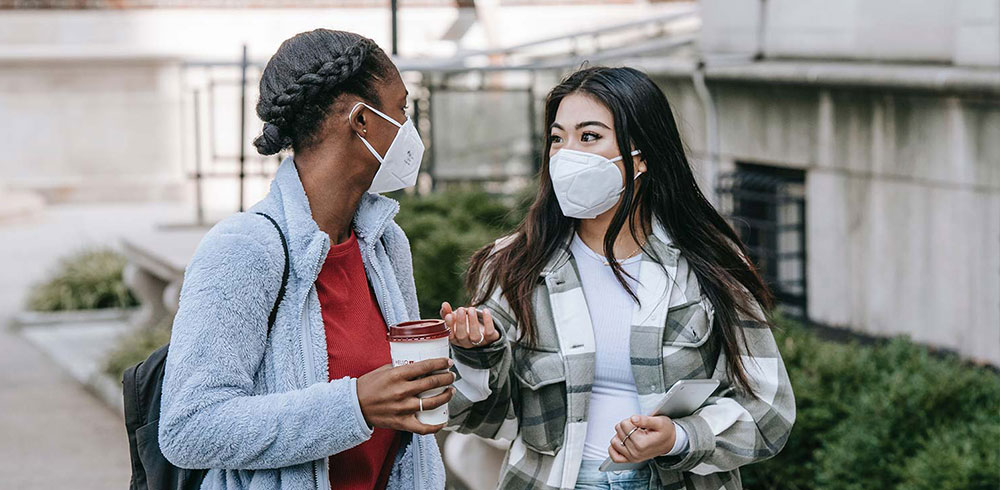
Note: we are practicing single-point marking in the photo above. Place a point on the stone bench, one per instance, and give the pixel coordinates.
(155, 270)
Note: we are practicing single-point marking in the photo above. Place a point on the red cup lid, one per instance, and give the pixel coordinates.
(418, 330)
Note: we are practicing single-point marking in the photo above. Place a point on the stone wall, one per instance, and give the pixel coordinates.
(91, 127)
(903, 199)
(961, 32)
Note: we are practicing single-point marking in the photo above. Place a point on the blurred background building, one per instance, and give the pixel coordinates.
(855, 145)
(857, 142)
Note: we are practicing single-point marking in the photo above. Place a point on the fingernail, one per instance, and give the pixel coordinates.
(451, 363)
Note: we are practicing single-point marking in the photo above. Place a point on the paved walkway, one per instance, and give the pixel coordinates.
(53, 434)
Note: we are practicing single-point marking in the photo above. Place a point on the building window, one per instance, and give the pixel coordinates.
(767, 207)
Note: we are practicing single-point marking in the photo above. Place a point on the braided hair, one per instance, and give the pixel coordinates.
(304, 77)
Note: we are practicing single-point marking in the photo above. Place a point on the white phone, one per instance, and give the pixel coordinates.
(681, 400)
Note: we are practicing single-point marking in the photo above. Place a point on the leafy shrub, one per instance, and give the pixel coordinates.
(86, 280)
(886, 416)
(135, 346)
(444, 229)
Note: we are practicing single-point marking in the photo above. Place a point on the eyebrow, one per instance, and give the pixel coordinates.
(592, 123)
(580, 125)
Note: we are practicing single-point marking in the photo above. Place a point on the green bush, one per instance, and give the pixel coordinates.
(135, 346)
(86, 280)
(444, 229)
(885, 416)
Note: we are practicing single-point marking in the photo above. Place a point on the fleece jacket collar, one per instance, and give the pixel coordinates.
(307, 244)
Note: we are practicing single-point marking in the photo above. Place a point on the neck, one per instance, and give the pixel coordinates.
(592, 232)
(333, 199)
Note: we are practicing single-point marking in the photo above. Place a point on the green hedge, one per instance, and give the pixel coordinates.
(86, 280)
(885, 416)
(444, 229)
(135, 346)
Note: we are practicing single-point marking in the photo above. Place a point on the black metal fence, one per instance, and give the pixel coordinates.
(478, 112)
(767, 207)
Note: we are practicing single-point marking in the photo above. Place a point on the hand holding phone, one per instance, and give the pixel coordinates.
(682, 399)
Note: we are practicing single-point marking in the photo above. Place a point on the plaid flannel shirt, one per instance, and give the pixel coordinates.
(537, 396)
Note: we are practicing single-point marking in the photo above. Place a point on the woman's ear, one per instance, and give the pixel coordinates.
(356, 119)
(640, 164)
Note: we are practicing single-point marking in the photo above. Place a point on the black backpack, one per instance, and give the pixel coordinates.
(141, 387)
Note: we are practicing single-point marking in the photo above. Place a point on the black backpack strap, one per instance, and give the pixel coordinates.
(284, 275)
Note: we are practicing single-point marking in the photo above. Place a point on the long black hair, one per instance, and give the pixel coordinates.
(305, 76)
(669, 193)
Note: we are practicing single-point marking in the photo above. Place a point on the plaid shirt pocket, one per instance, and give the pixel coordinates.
(689, 324)
(540, 398)
(687, 352)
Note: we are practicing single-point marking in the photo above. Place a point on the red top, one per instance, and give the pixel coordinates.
(356, 344)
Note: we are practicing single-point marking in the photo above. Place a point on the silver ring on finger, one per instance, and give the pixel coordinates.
(629, 435)
(421, 402)
(482, 337)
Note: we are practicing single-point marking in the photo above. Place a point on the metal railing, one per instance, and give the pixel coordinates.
(486, 72)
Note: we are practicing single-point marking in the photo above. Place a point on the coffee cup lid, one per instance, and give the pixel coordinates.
(418, 330)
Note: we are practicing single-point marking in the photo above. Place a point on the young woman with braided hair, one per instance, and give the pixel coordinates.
(313, 403)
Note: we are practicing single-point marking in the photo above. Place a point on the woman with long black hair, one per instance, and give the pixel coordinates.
(621, 280)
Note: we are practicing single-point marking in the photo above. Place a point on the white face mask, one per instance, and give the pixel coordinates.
(586, 184)
(401, 164)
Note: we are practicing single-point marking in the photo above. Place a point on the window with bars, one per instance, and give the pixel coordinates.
(767, 207)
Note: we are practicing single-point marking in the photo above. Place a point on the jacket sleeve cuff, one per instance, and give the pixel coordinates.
(680, 441)
(483, 357)
(701, 443)
(362, 428)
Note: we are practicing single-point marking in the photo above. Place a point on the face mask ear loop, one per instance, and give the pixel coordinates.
(376, 111)
(634, 153)
(371, 149)
(637, 174)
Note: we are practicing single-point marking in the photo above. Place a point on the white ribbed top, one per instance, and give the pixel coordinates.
(614, 397)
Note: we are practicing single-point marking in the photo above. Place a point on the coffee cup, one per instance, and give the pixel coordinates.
(416, 341)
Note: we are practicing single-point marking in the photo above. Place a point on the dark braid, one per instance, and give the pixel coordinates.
(306, 75)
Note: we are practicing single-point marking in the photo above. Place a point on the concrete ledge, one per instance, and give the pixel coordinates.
(83, 53)
(18, 205)
(108, 390)
(24, 319)
(883, 76)
(80, 350)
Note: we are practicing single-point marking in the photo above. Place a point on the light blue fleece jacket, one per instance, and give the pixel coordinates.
(273, 426)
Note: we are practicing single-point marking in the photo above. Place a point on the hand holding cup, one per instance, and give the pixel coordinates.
(389, 395)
